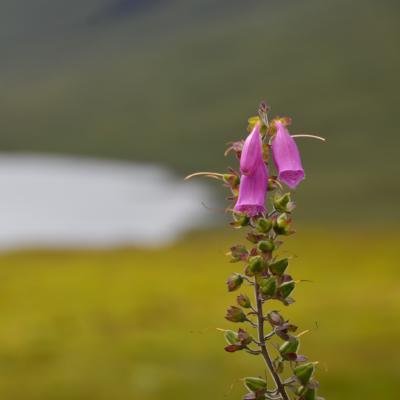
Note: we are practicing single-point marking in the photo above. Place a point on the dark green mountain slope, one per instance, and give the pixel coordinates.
(173, 81)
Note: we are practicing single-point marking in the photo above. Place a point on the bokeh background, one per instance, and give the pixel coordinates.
(112, 270)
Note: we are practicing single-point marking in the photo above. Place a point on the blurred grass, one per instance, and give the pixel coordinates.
(140, 324)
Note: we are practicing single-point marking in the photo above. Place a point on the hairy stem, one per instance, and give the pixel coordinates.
(264, 351)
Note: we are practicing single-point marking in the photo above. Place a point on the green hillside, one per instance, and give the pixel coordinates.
(174, 81)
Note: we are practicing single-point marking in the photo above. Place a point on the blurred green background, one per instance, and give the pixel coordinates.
(171, 82)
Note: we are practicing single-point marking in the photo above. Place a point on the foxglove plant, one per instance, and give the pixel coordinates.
(264, 271)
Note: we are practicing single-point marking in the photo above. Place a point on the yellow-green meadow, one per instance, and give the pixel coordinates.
(141, 324)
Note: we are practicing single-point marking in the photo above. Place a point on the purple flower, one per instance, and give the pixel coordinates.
(251, 152)
(254, 179)
(287, 157)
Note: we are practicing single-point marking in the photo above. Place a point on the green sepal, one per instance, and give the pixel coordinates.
(231, 337)
(304, 372)
(283, 203)
(290, 346)
(255, 384)
(243, 301)
(268, 286)
(235, 314)
(256, 264)
(279, 267)
(286, 288)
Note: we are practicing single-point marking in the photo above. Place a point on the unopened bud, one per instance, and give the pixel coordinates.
(266, 246)
(256, 264)
(243, 301)
(275, 318)
(255, 384)
(282, 224)
(263, 225)
(304, 372)
(268, 286)
(234, 282)
(244, 338)
(279, 267)
(235, 314)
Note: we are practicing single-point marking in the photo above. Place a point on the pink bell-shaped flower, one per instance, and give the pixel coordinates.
(286, 157)
(254, 179)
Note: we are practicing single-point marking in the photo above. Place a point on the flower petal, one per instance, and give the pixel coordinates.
(287, 157)
(251, 152)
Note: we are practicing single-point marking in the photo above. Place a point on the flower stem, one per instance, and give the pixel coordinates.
(264, 351)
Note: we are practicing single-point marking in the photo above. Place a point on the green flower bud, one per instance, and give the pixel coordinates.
(282, 225)
(283, 203)
(255, 384)
(279, 267)
(290, 346)
(235, 314)
(286, 288)
(256, 264)
(266, 245)
(304, 372)
(263, 225)
(234, 282)
(243, 301)
(268, 286)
